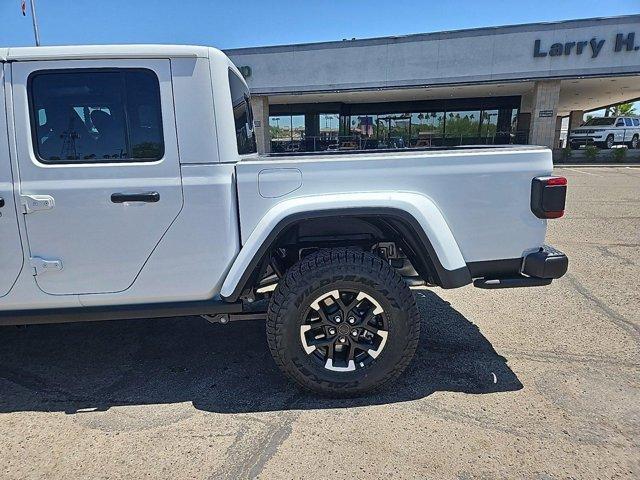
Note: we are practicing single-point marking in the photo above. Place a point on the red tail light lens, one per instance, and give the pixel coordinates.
(553, 181)
(548, 196)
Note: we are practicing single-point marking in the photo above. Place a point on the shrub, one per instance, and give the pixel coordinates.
(565, 154)
(591, 152)
(618, 154)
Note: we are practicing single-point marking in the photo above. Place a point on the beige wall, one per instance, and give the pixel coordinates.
(260, 107)
(542, 130)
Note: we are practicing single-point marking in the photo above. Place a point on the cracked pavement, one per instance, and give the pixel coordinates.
(523, 383)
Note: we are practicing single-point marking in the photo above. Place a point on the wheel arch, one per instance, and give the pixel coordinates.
(432, 246)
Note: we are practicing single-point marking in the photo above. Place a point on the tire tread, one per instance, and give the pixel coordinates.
(311, 267)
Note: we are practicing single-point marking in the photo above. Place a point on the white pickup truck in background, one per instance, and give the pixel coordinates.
(605, 132)
(130, 188)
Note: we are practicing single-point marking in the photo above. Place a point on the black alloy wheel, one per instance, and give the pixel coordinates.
(344, 330)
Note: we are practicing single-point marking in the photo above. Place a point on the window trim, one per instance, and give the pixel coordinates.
(119, 70)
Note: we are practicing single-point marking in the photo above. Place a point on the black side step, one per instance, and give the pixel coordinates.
(512, 282)
(119, 312)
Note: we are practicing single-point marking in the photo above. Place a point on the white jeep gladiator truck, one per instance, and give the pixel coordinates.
(130, 188)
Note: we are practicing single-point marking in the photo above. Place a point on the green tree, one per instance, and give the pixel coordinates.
(620, 110)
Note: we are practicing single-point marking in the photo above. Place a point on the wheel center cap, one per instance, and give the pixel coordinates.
(343, 329)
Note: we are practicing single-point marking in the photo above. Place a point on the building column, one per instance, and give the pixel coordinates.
(575, 119)
(542, 130)
(557, 133)
(260, 107)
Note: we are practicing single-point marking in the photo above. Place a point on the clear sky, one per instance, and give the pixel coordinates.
(243, 23)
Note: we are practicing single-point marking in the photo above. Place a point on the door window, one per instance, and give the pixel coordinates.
(620, 122)
(96, 116)
(628, 122)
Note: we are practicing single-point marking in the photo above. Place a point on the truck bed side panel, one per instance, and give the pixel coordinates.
(483, 194)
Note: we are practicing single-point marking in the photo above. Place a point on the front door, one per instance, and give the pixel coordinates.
(99, 171)
(11, 257)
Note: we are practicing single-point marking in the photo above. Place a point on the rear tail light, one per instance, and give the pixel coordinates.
(548, 195)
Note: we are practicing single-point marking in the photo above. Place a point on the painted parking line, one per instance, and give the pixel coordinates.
(582, 171)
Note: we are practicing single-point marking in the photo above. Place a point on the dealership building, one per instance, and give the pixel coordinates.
(497, 85)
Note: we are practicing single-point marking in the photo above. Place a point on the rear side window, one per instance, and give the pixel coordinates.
(636, 122)
(96, 116)
(242, 115)
(627, 122)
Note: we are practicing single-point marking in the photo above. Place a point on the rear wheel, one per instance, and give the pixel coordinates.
(342, 323)
(634, 142)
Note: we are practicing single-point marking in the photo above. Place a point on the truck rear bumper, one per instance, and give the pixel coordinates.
(537, 269)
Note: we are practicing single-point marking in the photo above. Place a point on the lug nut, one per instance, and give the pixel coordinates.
(354, 333)
(337, 319)
(343, 340)
(352, 320)
(332, 331)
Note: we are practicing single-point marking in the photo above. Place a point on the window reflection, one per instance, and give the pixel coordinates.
(427, 129)
(329, 126)
(489, 125)
(287, 133)
(462, 127)
(389, 130)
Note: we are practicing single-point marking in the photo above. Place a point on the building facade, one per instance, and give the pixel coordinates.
(497, 85)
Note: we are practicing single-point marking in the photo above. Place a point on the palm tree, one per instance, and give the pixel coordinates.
(620, 110)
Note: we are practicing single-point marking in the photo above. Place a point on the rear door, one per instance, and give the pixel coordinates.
(628, 131)
(99, 170)
(11, 257)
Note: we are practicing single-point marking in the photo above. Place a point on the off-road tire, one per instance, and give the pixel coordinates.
(325, 271)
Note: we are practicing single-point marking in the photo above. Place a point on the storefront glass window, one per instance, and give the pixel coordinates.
(280, 127)
(462, 127)
(427, 129)
(332, 131)
(364, 125)
(329, 124)
(287, 132)
(489, 126)
(393, 130)
(297, 127)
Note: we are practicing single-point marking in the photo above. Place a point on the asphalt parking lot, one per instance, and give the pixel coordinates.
(525, 383)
